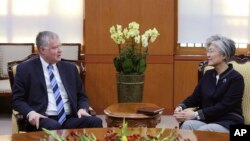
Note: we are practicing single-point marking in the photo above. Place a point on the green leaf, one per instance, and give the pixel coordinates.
(160, 133)
(124, 128)
(118, 64)
(142, 66)
(127, 66)
(53, 134)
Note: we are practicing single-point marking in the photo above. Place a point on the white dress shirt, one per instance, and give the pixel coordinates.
(52, 109)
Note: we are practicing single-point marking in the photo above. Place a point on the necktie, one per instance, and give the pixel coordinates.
(58, 98)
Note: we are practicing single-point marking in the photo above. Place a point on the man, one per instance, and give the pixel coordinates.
(48, 91)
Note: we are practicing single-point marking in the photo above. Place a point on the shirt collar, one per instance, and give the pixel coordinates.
(45, 64)
(226, 72)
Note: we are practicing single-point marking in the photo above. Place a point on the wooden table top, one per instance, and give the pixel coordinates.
(100, 132)
(128, 110)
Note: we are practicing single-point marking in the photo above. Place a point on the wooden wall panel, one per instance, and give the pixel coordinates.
(101, 14)
(159, 86)
(100, 49)
(101, 85)
(185, 79)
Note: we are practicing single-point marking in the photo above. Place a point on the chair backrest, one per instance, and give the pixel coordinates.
(13, 65)
(13, 51)
(80, 65)
(71, 51)
(241, 63)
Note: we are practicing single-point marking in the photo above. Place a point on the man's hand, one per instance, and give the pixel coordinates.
(34, 118)
(82, 112)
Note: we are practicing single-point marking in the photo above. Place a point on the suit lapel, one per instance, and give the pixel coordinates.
(40, 73)
(63, 74)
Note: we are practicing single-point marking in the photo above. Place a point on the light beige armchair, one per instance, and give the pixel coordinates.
(9, 52)
(241, 63)
(71, 51)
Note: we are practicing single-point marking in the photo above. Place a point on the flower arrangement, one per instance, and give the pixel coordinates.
(112, 135)
(133, 47)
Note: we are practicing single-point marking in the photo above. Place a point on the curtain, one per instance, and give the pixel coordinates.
(199, 19)
(21, 20)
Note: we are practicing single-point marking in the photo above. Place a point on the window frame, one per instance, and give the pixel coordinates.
(178, 50)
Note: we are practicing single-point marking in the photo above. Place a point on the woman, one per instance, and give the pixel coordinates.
(218, 95)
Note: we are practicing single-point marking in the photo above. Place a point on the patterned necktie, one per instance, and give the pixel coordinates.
(58, 98)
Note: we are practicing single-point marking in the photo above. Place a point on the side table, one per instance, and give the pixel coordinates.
(115, 114)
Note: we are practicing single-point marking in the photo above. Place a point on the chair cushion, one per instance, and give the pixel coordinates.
(14, 69)
(78, 68)
(18, 51)
(70, 51)
(244, 70)
(5, 86)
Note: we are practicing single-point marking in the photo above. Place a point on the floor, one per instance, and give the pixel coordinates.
(5, 122)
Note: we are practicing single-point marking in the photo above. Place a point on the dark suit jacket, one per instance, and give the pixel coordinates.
(30, 92)
(219, 103)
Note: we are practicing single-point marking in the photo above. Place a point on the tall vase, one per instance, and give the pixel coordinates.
(130, 88)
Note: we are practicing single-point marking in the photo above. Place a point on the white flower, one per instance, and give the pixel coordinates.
(132, 33)
(137, 39)
(116, 34)
(154, 35)
(144, 40)
(132, 47)
(133, 25)
(125, 32)
(120, 36)
(112, 29)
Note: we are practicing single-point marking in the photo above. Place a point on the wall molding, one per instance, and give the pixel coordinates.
(108, 59)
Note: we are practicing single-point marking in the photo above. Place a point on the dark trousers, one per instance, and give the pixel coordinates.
(71, 122)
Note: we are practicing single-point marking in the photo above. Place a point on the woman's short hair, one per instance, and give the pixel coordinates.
(43, 37)
(224, 44)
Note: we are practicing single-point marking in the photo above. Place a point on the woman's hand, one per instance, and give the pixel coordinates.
(183, 115)
(178, 109)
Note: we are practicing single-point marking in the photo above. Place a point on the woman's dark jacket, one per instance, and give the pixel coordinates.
(219, 103)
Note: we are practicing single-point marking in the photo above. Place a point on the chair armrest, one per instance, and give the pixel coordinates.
(92, 111)
(18, 122)
(17, 115)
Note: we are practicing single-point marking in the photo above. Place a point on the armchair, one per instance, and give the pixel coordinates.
(241, 63)
(17, 51)
(71, 51)
(18, 122)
